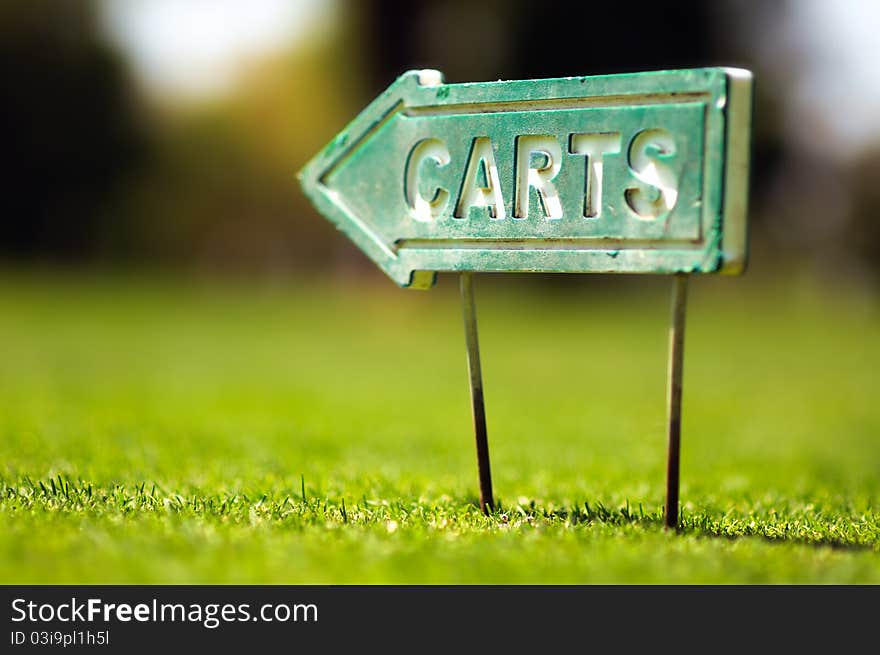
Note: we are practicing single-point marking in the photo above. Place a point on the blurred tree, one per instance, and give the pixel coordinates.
(70, 131)
(221, 192)
(863, 233)
(524, 39)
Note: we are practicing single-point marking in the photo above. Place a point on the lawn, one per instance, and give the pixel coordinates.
(163, 430)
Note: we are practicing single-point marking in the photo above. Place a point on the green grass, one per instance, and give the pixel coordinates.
(163, 431)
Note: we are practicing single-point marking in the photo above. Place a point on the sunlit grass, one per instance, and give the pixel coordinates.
(166, 431)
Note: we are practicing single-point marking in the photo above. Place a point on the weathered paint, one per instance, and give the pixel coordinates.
(642, 172)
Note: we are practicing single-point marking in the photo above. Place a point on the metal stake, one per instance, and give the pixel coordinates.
(673, 397)
(487, 504)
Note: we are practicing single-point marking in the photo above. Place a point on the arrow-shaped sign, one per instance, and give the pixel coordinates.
(642, 173)
(638, 173)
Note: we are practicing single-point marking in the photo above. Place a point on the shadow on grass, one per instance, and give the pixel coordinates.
(799, 530)
(697, 526)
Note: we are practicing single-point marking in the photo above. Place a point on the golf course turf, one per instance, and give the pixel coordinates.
(162, 430)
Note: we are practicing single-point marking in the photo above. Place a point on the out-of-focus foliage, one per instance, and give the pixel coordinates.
(222, 187)
(70, 129)
(864, 225)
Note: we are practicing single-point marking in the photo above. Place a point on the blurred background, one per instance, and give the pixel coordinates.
(167, 133)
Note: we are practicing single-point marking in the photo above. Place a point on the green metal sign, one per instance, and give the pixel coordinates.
(641, 173)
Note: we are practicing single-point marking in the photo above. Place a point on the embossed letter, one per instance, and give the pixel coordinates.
(647, 152)
(540, 176)
(420, 208)
(486, 192)
(594, 146)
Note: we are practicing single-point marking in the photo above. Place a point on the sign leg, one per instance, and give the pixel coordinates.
(676, 361)
(487, 504)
